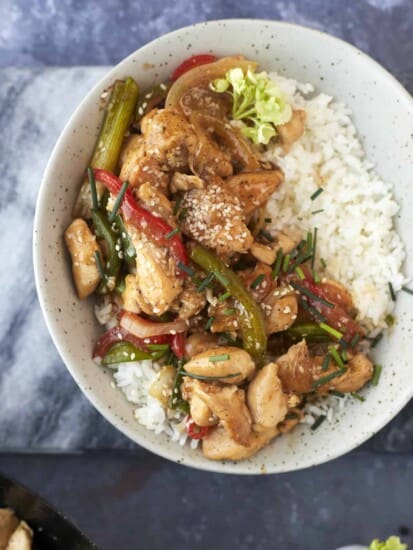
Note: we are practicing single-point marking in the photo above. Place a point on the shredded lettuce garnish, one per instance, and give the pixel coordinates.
(257, 100)
(392, 543)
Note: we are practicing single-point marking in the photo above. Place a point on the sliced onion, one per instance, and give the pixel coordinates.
(204, 74)
(142, 328)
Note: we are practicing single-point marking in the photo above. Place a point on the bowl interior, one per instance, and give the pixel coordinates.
(384, 116)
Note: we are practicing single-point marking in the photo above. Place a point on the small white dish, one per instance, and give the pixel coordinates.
(383, 113)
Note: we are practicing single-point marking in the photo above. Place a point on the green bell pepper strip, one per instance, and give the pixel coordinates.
(118, 115)
(150, 100)
(254, 337)
(124, 352)
(103, 230)
(310, 331)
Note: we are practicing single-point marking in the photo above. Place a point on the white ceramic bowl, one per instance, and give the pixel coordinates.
(383, 113)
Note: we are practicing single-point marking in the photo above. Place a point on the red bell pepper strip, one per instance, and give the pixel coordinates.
(192, 62)
(118, 334)
(178, 344)
(155, 228)
(195, 431)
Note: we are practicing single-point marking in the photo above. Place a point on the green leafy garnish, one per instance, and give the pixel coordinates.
(257, 100)
(392, 543)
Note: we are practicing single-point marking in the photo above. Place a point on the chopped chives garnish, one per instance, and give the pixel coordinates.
(326, 362)
(204, 377)
(186, 269)
(408, 290)
(319, 420)
(343, 343)
(172, 233)
(118, 201)
(300, 259)
(182, 214)
(256, 282)
(390, 319)
(317, 211)
(177, 205)
(323, 380)
(209, 323)
(331, 331)
(291, 416)
(300, 273)
(93, 191)
(99, 265)
(357, 396)
(267, 235)
(229, 311)
(216, 358)
(316, 277)
(309, 240)
(376, 374)
(376, 339)
(313, 310)
(205, 282)
(355, 340)
(335, 355)
(314, 247)
(277, 265)
(323, 262)
(223, 280)
(268, 220)
(310, 294)
(158, 347)
(316, 193)
(337, 393)
(223, 297)
(286, 261)
(297, 249)
(392, 293)
(344, 356)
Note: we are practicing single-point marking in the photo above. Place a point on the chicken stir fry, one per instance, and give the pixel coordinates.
(171, 232)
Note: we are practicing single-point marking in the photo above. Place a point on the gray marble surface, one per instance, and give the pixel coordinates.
(41, 407)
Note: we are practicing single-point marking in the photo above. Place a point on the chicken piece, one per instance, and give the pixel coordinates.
(284, 242)
(157, 279)
(189, 302)
(261, 273)
(137, 168)
(280, 310)
(215, 219)
(155, 201)
(219, 445)
(169, 138)
(225, 317)
(161, 388)
(264, 253)
(254, 188)
(359, 372)
(237, 367)
(296, 369)
(82, 245)
(225, 402)
(130, 295)
(200, 413)
(8, 524)
(185, 182)
(21, 539)
(293, 129)
(291, 420)
(199, 342)
(267, 403)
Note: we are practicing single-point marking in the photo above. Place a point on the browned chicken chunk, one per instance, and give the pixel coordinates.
(254, 188)
(237, 366)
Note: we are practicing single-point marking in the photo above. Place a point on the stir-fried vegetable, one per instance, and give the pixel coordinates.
(119, 334)
(251, 318)
(142, 328)
(123, 352)
(310, 331)
(191, 63)
(118, 115)
(150, 100)
(257, 100)
(103, 230)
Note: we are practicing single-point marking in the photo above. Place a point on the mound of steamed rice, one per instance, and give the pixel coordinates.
(356, 237)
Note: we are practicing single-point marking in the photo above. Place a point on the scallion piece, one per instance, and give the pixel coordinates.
(224, 296)
(316, 193)
(310, 294)
(319, 420)
(257, 281)
(188, 270)
(158, 347)
(331, 330)
(344, 356)
(229, 311)
(182, 214)
(408, 290)
(376, 339)
(205, 282)
(216, 358)
(316, 277)
(177, 205)
(376, 374)
(314, 212)
(390, 319)
(277, 264)
(335, 355)
(323, 262)
(300, 273)
(392, 293)
(99, 265)
(209, 323)
(172, 233)
(326, 362)
(291, 416)
(286, 261)
(93, 192)
(309, 240)
(355, 340)
(314, 247)
(313, 310)
(211, 378)
(337, 393)
(357, 396)
(324, 379)
(118, 201)
(223, 280)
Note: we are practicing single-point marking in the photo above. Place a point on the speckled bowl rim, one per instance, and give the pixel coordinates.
(157, 448)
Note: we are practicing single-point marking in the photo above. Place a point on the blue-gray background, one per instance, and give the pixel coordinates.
(118, 494)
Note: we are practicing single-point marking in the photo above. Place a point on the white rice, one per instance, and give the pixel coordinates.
(356, 236)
